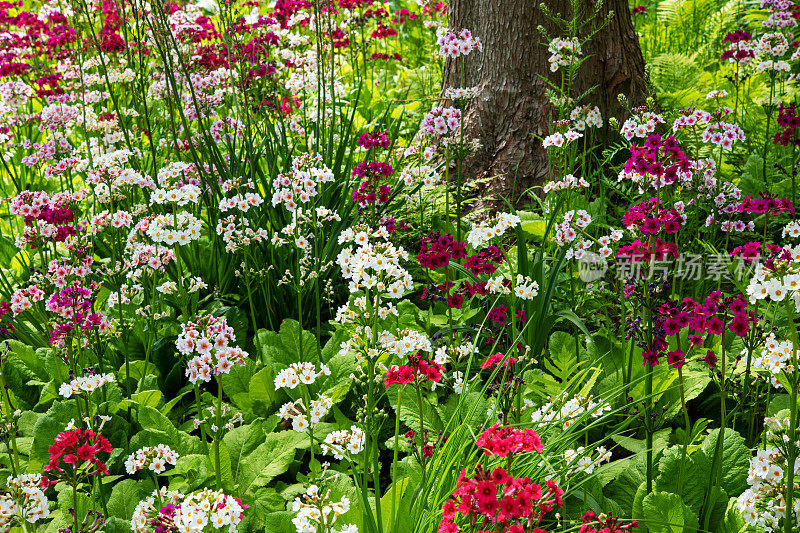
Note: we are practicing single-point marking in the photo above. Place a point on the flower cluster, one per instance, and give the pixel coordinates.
(300, 373)
(209, 337)
(437, 250)
(496, 500)
(495, 227)
(452, 44)
(568, 411)
(580, 460)
(563, 52)
(167, 511)
(88, 383)
(603, 523)
(344, 443)
(155, 459)
(317, 512)
(24, 502)
(764, 503)
(418, 370)
(302, 419)
(73, 456)
(503, 441)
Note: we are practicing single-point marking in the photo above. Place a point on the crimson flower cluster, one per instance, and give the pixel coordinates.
(505, 441)
(374, 139)
(494, 501)
(768, 204)
(437, 251)
(6, 326)
(74, 454)
(369, 190)
(485, 262)
(592, 523)
(751, 251)
(73, 305)
(789, 119)
(738, 52)
(417, 368)
(111, 41)
(640, 251)
(496, 359)
(662, 158)
(651, 217)
(704, 319)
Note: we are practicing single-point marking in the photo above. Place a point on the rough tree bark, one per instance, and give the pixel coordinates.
(512, 105)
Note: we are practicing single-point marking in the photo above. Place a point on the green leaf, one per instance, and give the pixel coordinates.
(283, 347)
(735, 459)
(240, 442)
(45, 432)
(263, 395)
(192, 471)
(664, 512)
(124, 499)
(409, 411)
(696, 473)
(151, 418)
(149, 398)
(271, 458)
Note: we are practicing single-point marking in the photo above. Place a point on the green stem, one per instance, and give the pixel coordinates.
(218, 416)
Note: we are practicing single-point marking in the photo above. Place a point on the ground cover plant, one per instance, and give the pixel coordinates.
(246, 286)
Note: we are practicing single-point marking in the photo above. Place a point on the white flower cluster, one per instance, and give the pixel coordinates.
(453, 352)
(563, 52)
(767, 284)
(558, 139)
(573, 221)
(523, 288)
(301, 419)
(408, 341)
(180, 228)
(242, 202)
(764, 504)
(155, 459)
(375, 265)
(581, 460)
(299, 185)
(583, 117)
(424, 174)
(176, 170)
(209, 337)
(88, 383)
(453, 44)
(24, 502)
(349, 314)
(297, 373)
(344, 442)
(566, 412)
(318, 513)
(568, 182)
(641, 125)
(460, 94)
(188, 194)
(483, 233)
(208, 507)
(791, 230)
(774, 358)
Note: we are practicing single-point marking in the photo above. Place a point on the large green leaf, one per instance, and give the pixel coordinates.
(240, 443)
(735, 459)
(271, 458)
(664, 512)
(283, 347)
(696, 473)
(124, 498)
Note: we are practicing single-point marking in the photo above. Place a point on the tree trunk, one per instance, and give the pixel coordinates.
(512, 107)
